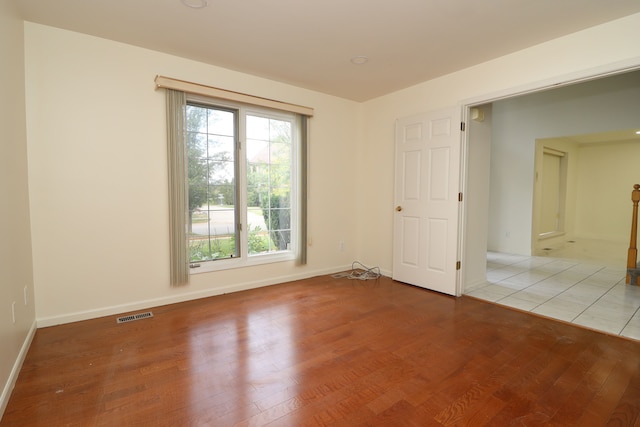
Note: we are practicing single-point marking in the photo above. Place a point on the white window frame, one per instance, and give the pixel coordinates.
(244, 259)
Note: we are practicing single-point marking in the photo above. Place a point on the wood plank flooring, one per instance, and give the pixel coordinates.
(327, 351)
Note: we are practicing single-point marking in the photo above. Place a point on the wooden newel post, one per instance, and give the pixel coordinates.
(632, 255)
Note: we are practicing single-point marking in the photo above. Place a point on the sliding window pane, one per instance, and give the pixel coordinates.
(213, 216)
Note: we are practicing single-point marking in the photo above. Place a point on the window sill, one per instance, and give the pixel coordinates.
(228, 264)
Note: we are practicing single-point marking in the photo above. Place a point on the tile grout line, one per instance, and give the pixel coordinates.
(532, 284)
(629, 321)
(514, 294)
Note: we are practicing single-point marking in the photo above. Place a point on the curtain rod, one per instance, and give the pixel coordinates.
(199, 89)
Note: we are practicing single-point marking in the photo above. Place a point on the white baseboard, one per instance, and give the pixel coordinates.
(140, 305)
(470, 286)
(15, 371)
(186, 296)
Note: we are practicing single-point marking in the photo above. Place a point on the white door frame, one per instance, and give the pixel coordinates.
(467, 104)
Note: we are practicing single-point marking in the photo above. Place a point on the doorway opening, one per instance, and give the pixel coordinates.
(559, 133)
(589, 131)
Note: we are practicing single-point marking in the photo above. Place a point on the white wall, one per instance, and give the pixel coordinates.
(478, 159)
(15, 235)
(97, 171)
(597, 106)
(587, 52)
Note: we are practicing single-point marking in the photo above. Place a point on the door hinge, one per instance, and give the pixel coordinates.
(462, 126)
(458, 265)
(239, 226)
(459, 197)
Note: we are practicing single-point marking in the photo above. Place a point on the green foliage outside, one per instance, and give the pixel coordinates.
(269, 184)
(211, 182)
(277, 216)
(208, 249)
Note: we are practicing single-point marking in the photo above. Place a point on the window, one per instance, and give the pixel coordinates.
(242, 184)
(248, 158)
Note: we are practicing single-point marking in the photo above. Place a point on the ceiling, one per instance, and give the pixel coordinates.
(310, 43)
(619, 136)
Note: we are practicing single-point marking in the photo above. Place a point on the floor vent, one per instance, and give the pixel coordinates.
(133, 317)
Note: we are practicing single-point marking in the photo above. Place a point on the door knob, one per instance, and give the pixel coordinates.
(398, 208)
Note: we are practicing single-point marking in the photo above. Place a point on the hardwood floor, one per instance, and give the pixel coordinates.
(327, 351)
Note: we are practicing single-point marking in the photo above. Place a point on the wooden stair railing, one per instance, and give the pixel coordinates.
(632, 256)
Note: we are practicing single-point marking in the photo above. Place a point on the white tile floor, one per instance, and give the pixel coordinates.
(582, 292)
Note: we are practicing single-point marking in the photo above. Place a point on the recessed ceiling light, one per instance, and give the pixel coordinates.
(638, 132)
(195, 4)
(359, 60)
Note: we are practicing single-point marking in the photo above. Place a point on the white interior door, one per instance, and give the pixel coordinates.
(427, 176)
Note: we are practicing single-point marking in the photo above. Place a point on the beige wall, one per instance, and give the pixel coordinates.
(606, 174)
(15, 235)
(97, 158)
(98, 177)
(586, 53)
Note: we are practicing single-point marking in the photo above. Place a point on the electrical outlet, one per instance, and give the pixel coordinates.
(13, 312)
(341, 246)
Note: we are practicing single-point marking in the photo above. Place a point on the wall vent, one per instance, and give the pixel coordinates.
(133, 317)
